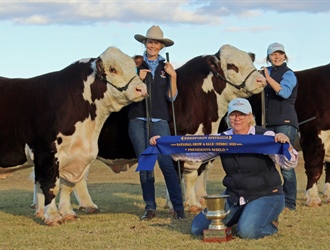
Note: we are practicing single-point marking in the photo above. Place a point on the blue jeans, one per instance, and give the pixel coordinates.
(254, 219)
(289, 176)
(137, 130)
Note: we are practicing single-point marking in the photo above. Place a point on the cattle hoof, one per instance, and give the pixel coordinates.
(195, 209)
(69, 217)
(185, 204)
(33, 205)
(313, 204)
(171, 211)
(53, 223)
(39, 214)
(90, 210)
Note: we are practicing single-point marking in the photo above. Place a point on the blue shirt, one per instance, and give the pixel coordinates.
(288, 82)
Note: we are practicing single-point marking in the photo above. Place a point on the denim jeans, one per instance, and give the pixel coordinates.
(137, 130)
(289, 176)
(254, 219)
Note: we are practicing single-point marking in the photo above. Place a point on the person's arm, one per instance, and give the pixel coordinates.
(288, 82)
(285, 87)
(274, 84)
(281, 160)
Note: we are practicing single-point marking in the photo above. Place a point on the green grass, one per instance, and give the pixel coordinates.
(117, 226)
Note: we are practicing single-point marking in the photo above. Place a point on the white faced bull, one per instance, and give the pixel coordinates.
(59, 116)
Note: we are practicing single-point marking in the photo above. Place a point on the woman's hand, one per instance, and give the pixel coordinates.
(266, 72)
(143, 73)
(169, 69)
(153, 139)
(282, 138)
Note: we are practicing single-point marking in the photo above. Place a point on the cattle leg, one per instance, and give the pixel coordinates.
(190, 175)
(201, 183)
(313, 156)
(326, 191)
(83, 197)
(168, 204)
(65, 207)
(190, 178)
(52, 215)
(38, 202)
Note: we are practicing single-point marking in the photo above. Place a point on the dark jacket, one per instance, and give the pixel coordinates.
(280, 111)
(157, 90)
(250, 175)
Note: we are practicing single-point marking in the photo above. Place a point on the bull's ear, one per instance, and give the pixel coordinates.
(214, 65)
(217, 55)
(99, 66)
(252, 56)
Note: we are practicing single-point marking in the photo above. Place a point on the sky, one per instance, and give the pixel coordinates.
(38, 37)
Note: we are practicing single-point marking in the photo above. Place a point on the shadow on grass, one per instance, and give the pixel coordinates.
(111, 198)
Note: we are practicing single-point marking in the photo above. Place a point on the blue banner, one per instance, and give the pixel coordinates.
(259, 144)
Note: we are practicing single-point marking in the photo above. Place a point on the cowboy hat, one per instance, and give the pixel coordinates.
(154, 32)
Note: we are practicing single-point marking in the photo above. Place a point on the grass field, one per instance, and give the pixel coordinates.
(117, 226)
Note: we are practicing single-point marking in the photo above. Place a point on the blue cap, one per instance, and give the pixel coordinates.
(275, 47)
(241, 105)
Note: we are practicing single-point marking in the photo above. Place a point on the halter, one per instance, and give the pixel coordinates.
(239, 87)
(118, 88)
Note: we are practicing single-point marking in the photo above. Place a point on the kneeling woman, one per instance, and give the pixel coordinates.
(252, 181)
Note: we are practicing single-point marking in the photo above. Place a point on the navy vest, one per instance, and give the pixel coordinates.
(157, 100)
(250, 175)
(280, 111)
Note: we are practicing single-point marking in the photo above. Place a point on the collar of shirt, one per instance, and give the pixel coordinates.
(252, 131)
(152, 63)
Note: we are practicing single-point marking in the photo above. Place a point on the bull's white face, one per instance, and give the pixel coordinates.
(119, 69)
(237, 65)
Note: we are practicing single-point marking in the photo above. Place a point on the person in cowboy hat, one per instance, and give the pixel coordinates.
(151, 117)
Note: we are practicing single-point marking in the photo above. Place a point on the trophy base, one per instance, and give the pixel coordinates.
(215, 235)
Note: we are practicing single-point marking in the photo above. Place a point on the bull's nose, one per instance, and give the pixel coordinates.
(262, 80)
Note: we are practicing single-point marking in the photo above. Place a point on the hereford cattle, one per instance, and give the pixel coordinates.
(313, 110)
(206, 84)
(55, 120)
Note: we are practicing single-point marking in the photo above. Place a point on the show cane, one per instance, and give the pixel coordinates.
(174, 122)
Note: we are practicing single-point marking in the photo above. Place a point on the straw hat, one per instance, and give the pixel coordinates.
(154, 32)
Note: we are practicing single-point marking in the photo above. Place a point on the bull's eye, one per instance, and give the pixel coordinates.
(113, 70)
(232, 67)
